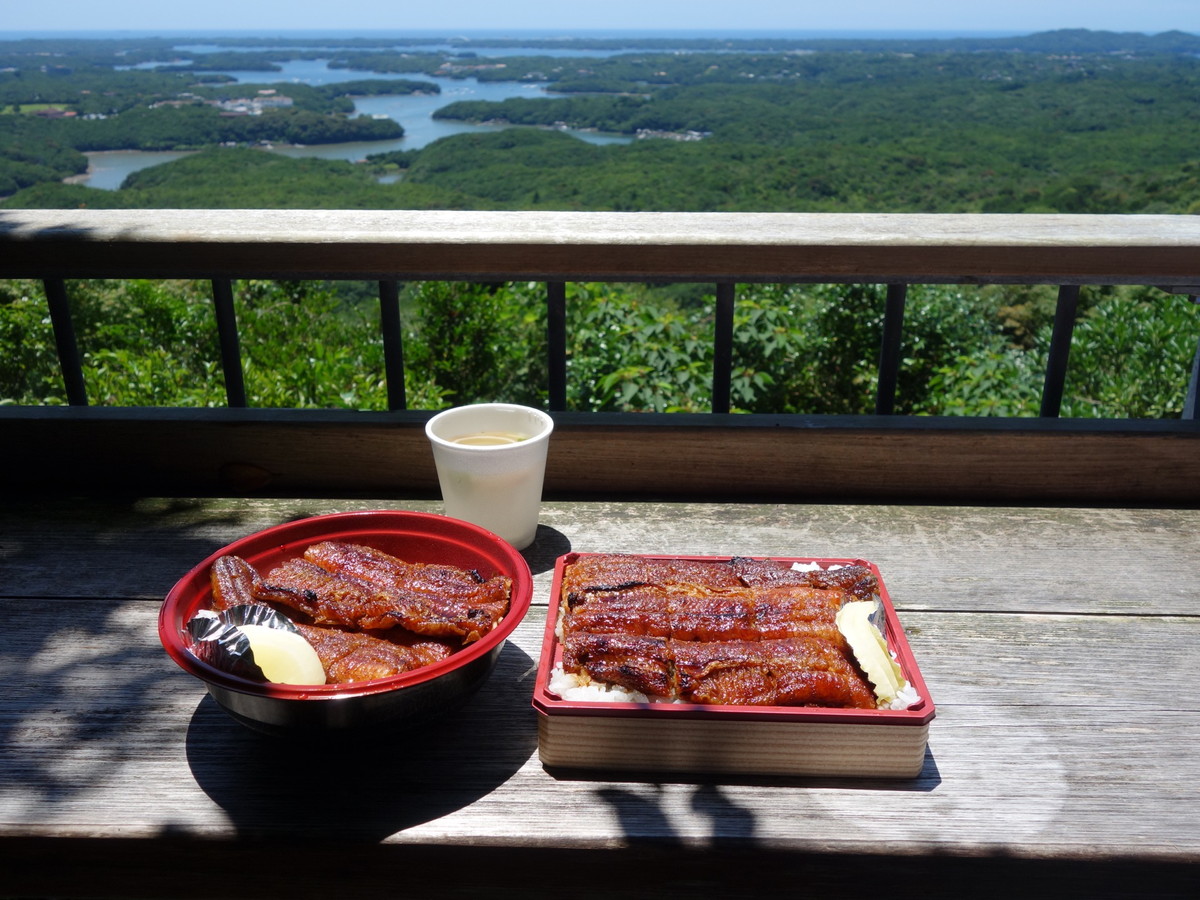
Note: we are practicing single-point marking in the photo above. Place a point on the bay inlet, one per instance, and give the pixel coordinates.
(108, 169)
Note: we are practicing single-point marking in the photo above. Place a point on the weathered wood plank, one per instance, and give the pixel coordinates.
(1051, 755)
(1037, 751)
(571, 245)
(934, 558)
(831, 459)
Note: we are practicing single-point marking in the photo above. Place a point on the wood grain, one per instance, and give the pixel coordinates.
(112, 736)
(1055, 560)
(892, 459)
(442, 244)
(1054, 643)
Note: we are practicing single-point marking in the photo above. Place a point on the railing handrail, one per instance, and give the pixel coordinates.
(882, 456)
(1161, 250)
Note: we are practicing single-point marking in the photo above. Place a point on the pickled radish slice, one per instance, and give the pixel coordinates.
(871, 650)
(284, 656)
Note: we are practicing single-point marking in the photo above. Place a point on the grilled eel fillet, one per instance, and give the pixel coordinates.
(359, 587)
(740, 632)
(346, 654)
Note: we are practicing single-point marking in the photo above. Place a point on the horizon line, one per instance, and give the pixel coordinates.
(569, 32)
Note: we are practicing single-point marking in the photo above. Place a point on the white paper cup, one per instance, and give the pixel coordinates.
(496, 486)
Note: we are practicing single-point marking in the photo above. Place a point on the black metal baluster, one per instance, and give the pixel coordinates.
(556, 344)
(393, 344)
(1060, 350)
(64, 341)
(723, 349)
(227, 333)
(1190, 401)
(889, 350)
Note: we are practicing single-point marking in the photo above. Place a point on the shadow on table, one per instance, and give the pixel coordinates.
(366, 785)
(548, 545)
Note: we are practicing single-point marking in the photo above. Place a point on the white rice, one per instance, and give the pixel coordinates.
(907, 697)
(581, 687)
(813, 567)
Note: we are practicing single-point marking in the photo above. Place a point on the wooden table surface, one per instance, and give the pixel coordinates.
(1061, 647)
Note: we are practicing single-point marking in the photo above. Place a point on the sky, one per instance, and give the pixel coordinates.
(455, 16)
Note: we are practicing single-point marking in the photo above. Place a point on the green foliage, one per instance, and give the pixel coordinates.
(195, 126)
(55, 195)
(240, 178)
(150, 343)
(988, 383)
(28, 369)
(617, 113)
(816, 349)
(156, 110)
(31, 154)
(629, 353)
(513, 168)
(805, 349)
(479, 342)
(378, 86)
(797, 349)
(1130, 356)
(246, 177)
(288, 364)
(141, 343)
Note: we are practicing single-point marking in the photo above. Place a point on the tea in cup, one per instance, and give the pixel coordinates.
(491, 461)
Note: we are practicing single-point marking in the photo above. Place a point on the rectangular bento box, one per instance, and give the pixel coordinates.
(731, 740)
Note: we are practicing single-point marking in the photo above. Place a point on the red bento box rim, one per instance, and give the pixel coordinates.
(548, 703)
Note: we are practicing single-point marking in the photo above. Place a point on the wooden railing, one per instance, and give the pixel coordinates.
(883, 457)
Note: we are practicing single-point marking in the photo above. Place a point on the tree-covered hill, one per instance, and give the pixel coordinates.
(880, 130)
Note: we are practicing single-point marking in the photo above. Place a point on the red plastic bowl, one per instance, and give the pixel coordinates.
(411, 536)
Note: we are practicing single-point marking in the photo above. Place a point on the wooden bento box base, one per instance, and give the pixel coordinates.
(727, 740)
